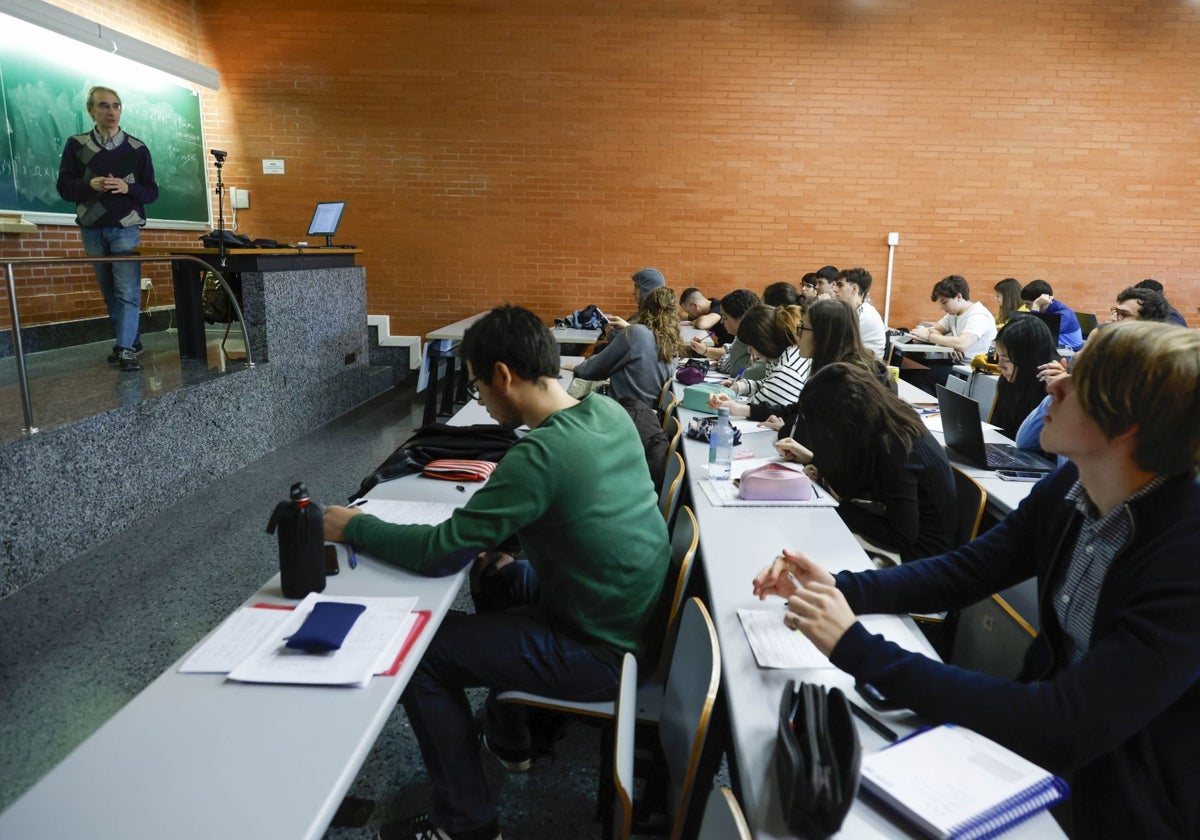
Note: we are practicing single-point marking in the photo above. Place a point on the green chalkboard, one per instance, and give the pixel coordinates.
(44, 103)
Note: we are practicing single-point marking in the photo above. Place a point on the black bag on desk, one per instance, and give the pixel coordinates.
(817, 758)
(481, 442)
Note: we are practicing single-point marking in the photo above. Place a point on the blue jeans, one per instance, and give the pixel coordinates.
(504, 648)
(120, 283)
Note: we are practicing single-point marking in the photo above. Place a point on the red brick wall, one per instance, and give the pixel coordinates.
(541, 152)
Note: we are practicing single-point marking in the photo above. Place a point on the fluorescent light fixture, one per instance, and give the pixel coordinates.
(108, 40)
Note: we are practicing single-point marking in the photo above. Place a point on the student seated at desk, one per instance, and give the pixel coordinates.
(967, 327)
(1109, 695)
(732, 359)
(640, 358)
(869, 448)
(1039, 296)
(1023, 345)
(771, 333)
(577, 495)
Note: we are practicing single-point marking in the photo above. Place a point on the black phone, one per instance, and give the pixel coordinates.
(876, 698)
(331, 561)
(1020, 475)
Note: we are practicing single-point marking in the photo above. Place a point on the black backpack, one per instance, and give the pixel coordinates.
(481, 442)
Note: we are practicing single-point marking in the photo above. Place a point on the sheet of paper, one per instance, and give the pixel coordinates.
(408, 513)
(377, 631)
(776, 646)
(238, 636)
(725, 493)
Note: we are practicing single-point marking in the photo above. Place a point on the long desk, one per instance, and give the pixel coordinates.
(195, 757)
(735, 542)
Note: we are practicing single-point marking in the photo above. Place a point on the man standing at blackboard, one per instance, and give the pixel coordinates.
(110, 177)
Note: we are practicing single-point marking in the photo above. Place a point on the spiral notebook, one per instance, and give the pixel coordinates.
(950, 782)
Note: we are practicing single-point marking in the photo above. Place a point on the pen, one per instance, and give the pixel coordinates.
(352, 556)
(873, 722)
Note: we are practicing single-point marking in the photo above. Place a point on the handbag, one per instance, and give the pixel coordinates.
(700, 428)
(817, 758)
(692, 371)
(775, 482)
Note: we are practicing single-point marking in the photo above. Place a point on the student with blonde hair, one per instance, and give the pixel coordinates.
(1109, 694)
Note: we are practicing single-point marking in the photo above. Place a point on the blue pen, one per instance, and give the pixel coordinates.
(353, 556)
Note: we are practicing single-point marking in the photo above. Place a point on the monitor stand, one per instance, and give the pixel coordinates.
(329, 240)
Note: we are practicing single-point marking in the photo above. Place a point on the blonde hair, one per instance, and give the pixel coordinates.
(1145, 374)
(659, 312)
(770, 330)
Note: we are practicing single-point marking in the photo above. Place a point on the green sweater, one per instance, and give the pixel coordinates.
(577, 493)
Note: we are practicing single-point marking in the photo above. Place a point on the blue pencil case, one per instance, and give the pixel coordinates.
(326, 627)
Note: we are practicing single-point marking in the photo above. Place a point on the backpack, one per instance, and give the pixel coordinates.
(480, 442)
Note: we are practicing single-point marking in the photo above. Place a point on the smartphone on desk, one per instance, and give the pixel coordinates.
(1020, 475)
(876, 698)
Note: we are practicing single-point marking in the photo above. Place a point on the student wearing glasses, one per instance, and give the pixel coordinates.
(1140, 304)
(1109, 694)
(1023, 345)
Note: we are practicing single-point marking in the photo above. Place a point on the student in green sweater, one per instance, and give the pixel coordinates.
(577, 495)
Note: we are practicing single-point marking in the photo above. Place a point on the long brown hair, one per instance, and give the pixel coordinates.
(770, 330)
(852, 418)
(836, 337)
(659, 312)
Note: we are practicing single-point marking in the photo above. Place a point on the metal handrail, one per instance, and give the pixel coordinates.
(22, 375)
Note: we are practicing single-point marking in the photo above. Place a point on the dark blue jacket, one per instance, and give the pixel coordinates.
(1122, 724)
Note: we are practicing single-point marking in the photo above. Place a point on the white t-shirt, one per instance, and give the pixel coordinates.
(977, 320)
(872, 329)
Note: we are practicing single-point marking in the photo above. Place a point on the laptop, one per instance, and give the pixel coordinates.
(1052, 320)
(964, 435)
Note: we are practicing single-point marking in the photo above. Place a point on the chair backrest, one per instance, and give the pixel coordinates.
(668, 497)
(972, 499)
(685, 538)
(723, 818)
(669, 409)
(956, 384)
(624, 728)
(674, 430)
(664, 396)
(691, 692)
(981, 387)
(992, 638)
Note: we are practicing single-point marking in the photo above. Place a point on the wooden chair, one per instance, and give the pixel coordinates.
(991, 637)
(669, 410)
(624, 729)
(665, 396)
(688, 700)
(723, 818)
(972, 499)
(668, 497)
(674, 430)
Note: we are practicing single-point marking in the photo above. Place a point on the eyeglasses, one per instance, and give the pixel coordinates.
(1120, 314)
(801, 329)
(473, 388)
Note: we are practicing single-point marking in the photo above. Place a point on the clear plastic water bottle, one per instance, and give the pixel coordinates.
(720, 447)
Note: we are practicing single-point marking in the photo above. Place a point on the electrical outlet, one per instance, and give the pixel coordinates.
(147, 284)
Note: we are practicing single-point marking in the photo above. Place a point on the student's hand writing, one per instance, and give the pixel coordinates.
(812, 472)
(336, 518)
(820, 612)
(774, 423)
(736, 409)
(790, 450)
(787, 574)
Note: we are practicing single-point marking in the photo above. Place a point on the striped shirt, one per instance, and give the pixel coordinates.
(1099, 542)
(783, 382)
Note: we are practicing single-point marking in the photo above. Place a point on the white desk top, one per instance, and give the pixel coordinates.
(735, 542)
(455, 332)
(197, 757)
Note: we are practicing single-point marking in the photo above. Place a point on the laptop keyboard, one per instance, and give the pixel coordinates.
(999, 458)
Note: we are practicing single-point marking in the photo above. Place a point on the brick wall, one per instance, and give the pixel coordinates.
(541, 152)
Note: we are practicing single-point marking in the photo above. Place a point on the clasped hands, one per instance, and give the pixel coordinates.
(109, 184)
(815, 606)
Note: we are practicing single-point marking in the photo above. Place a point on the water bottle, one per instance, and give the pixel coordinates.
(300, 523)
(720, 446)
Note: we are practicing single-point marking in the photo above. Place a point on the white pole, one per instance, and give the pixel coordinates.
(893, 239)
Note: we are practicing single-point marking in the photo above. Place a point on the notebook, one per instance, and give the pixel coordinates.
(964, 435)
(950, 782)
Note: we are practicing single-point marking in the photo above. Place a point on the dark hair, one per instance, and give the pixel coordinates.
(851, 418)
(1009, 290)
(859, 277)
(781, 294)
(738, 302)
(769, 330)
(836, 337)
(515, 336)
(1151, 284)
(689, 293)
(809, 279)
(950, 286)
(1027, 343)
(1154, 306)
(829, 272)
(1034, 289)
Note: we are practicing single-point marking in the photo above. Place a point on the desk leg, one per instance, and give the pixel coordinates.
(189, 310)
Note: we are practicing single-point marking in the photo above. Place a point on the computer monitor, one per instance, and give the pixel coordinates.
(326, 219)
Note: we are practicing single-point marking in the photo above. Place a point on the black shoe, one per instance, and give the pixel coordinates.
(115, 356)
(420, 828)
(128, 360)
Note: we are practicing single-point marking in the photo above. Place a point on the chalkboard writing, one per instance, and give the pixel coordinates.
(44, 103)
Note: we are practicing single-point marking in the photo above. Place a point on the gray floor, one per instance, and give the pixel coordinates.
(81, 642)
